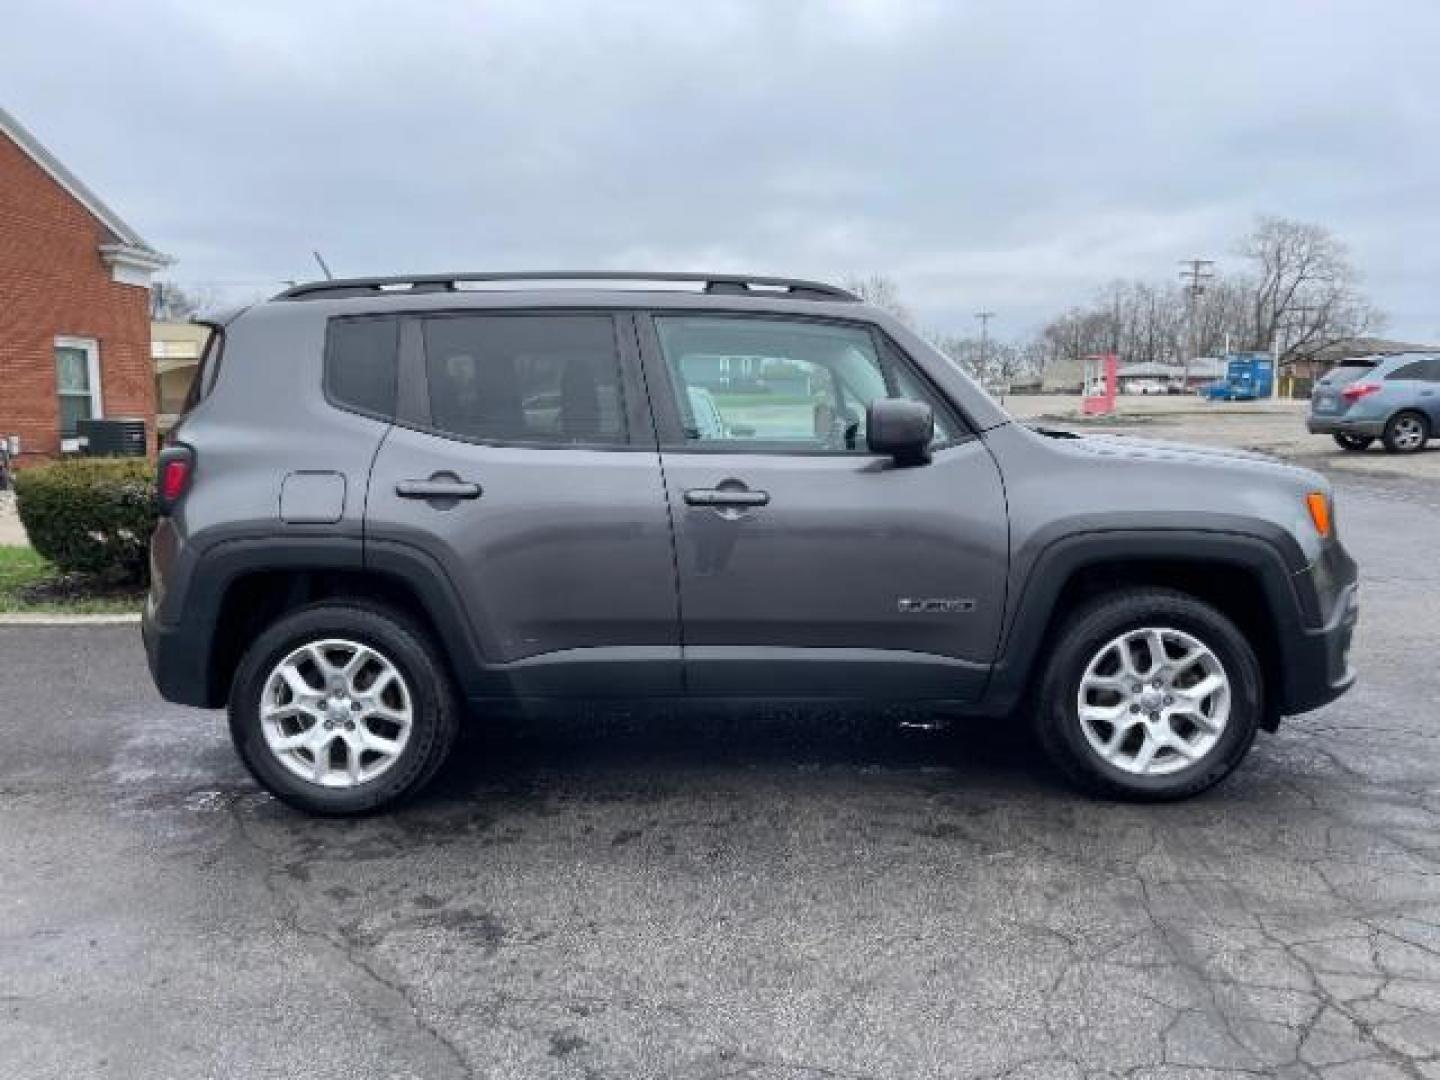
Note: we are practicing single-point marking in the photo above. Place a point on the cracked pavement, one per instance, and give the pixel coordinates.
(773, 897)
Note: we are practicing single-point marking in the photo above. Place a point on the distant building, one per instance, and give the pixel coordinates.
(74, 304)
(1159, 378)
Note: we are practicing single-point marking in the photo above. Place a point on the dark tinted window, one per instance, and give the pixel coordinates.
(1413, 370)
(360, 364)
(1427, 370)
(525, 378)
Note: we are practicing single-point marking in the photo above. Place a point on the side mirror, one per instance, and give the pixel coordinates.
(901, 428)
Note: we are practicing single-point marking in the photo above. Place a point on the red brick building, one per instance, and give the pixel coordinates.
(74, 304)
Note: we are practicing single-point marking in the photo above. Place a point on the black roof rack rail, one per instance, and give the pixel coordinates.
(409, 285)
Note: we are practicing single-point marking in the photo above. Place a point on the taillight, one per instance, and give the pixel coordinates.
(1356, 391)
(175, 471)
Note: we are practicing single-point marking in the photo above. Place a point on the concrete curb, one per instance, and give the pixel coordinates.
(68, 620)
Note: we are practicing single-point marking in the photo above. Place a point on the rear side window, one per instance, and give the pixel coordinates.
(360, 364)
(525, 378)
(1413, 370)
(1427, 370)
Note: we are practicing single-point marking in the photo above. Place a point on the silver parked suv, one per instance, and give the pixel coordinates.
(1395, 399)
(395, 502)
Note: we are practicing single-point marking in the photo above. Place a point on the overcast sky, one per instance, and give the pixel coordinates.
(1007, 156)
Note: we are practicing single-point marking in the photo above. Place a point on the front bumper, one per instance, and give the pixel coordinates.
(1340, 425)
(1317, 662)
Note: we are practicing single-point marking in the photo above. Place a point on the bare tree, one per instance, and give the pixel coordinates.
(1302, 295)
(881, 291)
(172, 302)
(1305, 292)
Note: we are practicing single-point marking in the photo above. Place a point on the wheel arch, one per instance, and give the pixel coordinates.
(242, 586)
(1245, 577)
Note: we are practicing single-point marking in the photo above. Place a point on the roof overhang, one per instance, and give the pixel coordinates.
(131, 260)
(131, 265)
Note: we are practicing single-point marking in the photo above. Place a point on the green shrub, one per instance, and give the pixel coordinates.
(90, 515)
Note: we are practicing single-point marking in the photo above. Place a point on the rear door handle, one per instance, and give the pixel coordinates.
(437, 489)
(723, 497)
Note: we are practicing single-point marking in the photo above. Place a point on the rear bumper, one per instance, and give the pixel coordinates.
(1340, 425)
(178, 660)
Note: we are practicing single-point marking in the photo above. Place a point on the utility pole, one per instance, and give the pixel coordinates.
(1196, 273)
(984, 317)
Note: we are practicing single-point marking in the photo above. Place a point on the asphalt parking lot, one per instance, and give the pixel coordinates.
(776, 896)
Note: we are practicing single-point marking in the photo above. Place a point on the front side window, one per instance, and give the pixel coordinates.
(77, 379)
(783, 384)
(525, 378)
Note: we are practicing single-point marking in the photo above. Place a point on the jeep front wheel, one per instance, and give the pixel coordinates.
(339, 709)
(1149, 695)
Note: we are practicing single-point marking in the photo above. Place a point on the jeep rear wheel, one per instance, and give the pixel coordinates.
(339, 709)
(1149, 695)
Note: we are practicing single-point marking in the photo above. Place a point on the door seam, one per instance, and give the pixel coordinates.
(669, 504)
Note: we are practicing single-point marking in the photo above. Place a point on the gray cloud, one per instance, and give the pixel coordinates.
(1011, 157)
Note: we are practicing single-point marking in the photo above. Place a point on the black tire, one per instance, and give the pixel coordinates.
(1353, 443)
(1396, 436)
(435, 705)
(1084, 634)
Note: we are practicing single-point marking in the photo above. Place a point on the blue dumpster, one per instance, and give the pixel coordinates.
(1248, 376)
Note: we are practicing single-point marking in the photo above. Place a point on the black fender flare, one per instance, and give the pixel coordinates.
(1037, 583)
(182, 654)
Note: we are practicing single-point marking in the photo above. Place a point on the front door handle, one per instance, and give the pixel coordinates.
(437, 487)
(724, 497)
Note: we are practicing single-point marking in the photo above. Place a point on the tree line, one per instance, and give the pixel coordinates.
(1296, 292)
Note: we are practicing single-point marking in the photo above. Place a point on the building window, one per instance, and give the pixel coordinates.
(77, 377)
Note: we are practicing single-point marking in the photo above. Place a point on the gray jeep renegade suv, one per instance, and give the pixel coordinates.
(393, 502)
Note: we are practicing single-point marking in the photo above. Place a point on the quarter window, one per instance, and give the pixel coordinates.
(77, 379)
(525, 378)
(360, 364)
(783, 384)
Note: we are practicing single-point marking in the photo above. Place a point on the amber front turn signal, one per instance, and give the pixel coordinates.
(1319, 511)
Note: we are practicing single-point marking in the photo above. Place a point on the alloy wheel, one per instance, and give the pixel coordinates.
(1154, 701)
(336, 713)
(1408, 433)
